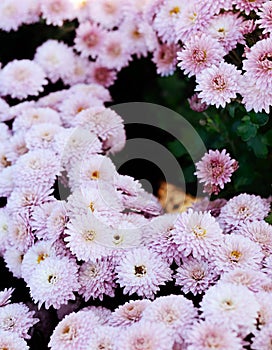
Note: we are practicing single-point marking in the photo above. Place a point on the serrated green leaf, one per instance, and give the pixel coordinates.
(259, 118)
(258, 147)
(247, 131)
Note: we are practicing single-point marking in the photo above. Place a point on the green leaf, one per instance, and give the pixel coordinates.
(259, 118)
(258, 147)
(247, 131)
(268, 219)
(176, 148)
(267, 138)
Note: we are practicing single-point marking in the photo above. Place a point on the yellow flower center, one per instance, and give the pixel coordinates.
(174, 11)
(198, 231)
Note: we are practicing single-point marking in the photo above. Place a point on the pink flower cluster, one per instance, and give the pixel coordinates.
(201, 37)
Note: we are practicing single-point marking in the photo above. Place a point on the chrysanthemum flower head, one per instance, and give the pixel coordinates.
(99, 74)
(17, 319)
(195, 276)
(265, 17)
(207, 335)
(217, 85)
(12, 341)
(174, 312)
(197, 233)
(73, 331)
(22, 78)
(243, 208)
(258, 63)
(54, 282)
(165, 58)
(236, 305)
(247, 6)
(108, 13)
(129, 313)
(142, 272)
(96, 279)
(89, 39)
(145, 335)
(13, 258)
(56, 11)
(12, 14)
(215, 169)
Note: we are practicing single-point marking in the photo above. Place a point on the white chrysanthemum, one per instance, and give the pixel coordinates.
(12, 14)
(17, 146)
(4, 113)
(86, 237)
(103, 337)
(236, 305)
(92, 90)
(4, 229)
(7, 183)
(20, 234)
(103, 200)
(98, 168)
(42, 136)
(10, 341)
(31, 115)
(73, 331)
(142, 272)
(13, 258)
(54, 282)
(40, 166)
(56, 11)
(36, 255)
(17, 319)
(76, 144)
(237, 251)
(108, 13)
(197, 233)
(174, 312)
(22, 78)
(55, 58)
(80, 71)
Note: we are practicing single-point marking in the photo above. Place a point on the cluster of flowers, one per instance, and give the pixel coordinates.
(202, 36)
(15, 321)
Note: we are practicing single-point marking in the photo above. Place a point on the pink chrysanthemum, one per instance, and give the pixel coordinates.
(196, 104)
(22, 78)
(263, 339)
(92, 90)
(247, 6)
(199, 53)
(215, 6)
(80, 71)
(56, 222)
(157, 236)
(217, 85)
(42, 136)
(55, 58)
(208, 335)
(39, 218)
(85, 237)
(241, 209)
(11, 341)
(255, 97)
(115, 53)
(12, 14)
(129, 313)
(4, 112)
(145, 335)
(5, 296)
(17, 319)
(174, 312)
(17, 146)
(259, 232)
(89, 39)
(195, 276)
(197, 233)
(215, 169)
(226, 28)
(165, 58)
(237, 251)
(236, 305)
(103, 337)
(265, 311)
(250, 278)
(96, 279)
(142, 272)
(56, 11)
(7, 183)
(73, 331)
(53, 282)
(265, 17)
(258, 65)
(102, 75)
